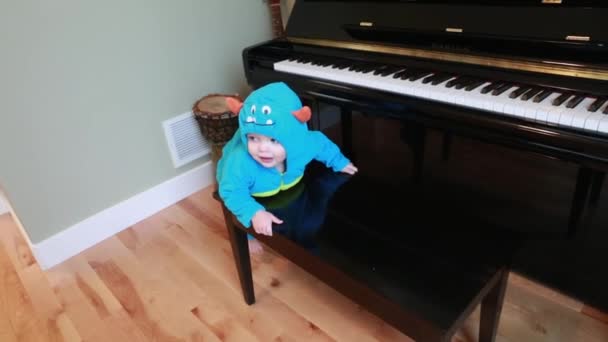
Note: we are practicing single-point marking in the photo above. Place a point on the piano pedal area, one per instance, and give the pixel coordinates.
(529, 195)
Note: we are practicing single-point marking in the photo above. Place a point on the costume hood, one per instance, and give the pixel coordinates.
(275, 111)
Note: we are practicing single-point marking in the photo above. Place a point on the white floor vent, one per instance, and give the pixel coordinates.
(186, 143)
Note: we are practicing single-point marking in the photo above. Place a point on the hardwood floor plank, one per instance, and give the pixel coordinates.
(528, 317)
(16, 246)
(148, 297)
(78, 307)
(59, 326)
(16, 306)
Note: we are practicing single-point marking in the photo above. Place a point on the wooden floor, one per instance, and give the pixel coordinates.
(171, 277)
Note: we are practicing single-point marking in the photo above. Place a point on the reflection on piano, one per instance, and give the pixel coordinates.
(530, 75)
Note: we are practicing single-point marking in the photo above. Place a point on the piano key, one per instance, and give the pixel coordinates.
(592, 122)
(491, 87)
(576, 117)
(603, 126)
(515, 93)
(440, 79)
(540, 97)
(453, 81)
(499, 90)
(541, 110)
(398, 73)
(597, 104)
(530, 94)
(428, 79)
(380, 69)
(544, 107)
(474, 85)
(419, 75)
(390, 70)
(465, 81)
(575, 101)
(561, 99)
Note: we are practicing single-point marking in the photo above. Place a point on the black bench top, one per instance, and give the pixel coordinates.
(411, 249)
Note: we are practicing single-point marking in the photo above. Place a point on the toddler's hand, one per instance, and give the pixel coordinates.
(350, 169)
(262, 222)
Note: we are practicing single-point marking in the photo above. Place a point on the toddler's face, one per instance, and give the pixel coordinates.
(265, 150)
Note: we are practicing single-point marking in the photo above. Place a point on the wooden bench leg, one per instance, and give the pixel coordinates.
(240, 250)
(491, 307)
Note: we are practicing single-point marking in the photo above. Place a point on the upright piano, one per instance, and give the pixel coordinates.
(528, 78)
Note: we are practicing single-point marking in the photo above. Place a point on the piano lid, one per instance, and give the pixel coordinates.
(559, 37)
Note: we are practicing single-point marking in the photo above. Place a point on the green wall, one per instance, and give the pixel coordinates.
(85, 86)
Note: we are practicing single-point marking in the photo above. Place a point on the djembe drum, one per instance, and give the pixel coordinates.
(217, 123)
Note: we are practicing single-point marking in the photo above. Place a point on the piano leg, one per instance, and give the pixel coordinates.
(596, 186)
(415, 136)
(491, 307)
(240, 251)
(346, 122)
(583, 182)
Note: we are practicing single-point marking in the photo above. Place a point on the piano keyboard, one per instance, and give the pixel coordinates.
(548, 106)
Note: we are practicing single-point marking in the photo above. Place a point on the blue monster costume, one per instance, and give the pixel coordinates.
(277, 112)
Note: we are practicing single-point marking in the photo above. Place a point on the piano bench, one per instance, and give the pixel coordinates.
(423, 295)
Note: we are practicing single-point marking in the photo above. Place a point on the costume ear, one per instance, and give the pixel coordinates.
(303, 114)
(234, 105)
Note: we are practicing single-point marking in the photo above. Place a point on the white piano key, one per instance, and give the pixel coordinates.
(603, 125)
(543, 112)
(593, 121)
(575, 117)
(544, 107)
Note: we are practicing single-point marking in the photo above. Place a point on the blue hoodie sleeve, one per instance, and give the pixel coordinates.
(327, 151)
(234, 184)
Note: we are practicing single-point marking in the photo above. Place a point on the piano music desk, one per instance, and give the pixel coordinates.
(412, 283)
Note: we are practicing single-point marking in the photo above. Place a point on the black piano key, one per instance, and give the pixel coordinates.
(430, 78)
(597, 104)
(355, 67)
(540, 97)
(343, 65)
(530, 94)
(501, 89)
(575, 101)
(442, 78)
(605, 110)
(390, 70)
(406, 74)
(380, 69)
(304, 60)
(419, 75)
(491, 87)
(453, 82)
(399, 74)
(561, 99)
(476, 84)
(515, 93)
(464, 81)
(368, 68)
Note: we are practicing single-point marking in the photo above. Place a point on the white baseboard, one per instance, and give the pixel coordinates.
(110, 221)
